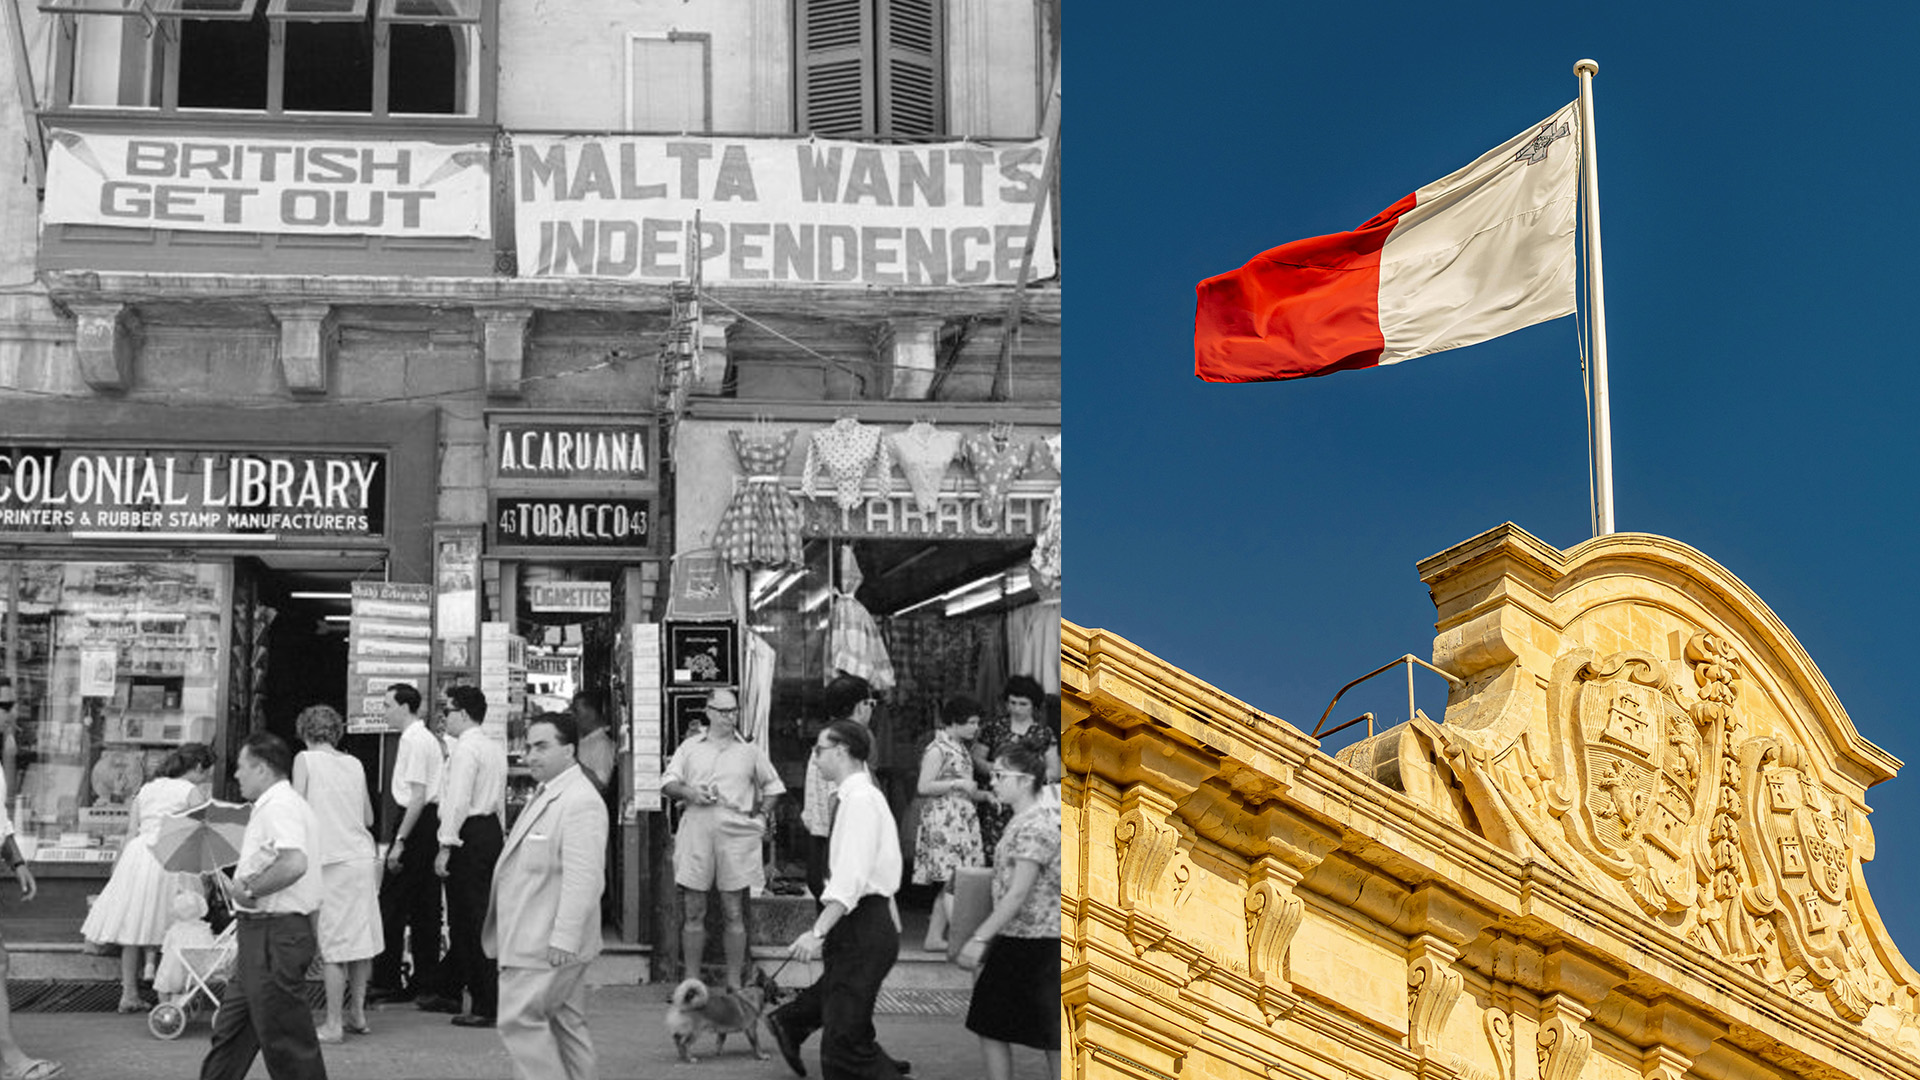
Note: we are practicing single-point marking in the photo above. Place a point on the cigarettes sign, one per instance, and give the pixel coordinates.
(359, 186)
(778, 211)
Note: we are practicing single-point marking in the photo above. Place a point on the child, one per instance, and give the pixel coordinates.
(189, 931)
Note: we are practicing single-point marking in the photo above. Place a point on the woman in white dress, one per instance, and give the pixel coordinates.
(335, 785)
(133, 911)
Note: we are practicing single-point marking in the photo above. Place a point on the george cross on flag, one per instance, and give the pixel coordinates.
(1469, 257)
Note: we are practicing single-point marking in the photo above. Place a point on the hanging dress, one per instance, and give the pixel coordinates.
(848, 450)
(854, 644)
(997, 461)
(761, 525)
(924, 452)
(1046, 547)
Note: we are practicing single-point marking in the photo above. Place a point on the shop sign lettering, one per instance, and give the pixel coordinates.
(570, 452)
(955, 517)
(778, 211)
(531, 521)
(378, 187)
(87, 489)
(591, 597)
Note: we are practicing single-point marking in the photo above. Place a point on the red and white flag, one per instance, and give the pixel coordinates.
(1478, 254)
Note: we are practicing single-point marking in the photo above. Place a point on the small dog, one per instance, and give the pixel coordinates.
(696, 1010)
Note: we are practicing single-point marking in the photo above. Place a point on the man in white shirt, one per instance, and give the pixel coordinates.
(848, 697)
(472, 806)
(857, 930)
(410, 892)
(276, 890)
(728, 788)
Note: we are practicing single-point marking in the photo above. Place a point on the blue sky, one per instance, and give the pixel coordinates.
(1757, 171)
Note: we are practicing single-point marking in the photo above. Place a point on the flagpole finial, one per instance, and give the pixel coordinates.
(1586, 67)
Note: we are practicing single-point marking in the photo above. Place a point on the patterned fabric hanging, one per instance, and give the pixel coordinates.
(848, 450)
(997, 459)
(1046, 547)
(761, 525)
(854, 645)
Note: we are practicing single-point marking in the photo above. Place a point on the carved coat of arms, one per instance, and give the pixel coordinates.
(1636, 758)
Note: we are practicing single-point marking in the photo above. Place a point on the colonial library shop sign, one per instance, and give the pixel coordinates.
(104, 493)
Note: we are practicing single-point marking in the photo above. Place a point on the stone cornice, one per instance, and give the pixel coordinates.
(1594, 955)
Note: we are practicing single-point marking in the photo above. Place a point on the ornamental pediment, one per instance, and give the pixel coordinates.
(1633, 716)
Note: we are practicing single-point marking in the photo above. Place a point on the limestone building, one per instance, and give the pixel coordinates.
(1631, 851)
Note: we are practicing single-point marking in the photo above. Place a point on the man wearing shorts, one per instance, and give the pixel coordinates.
(728, 788)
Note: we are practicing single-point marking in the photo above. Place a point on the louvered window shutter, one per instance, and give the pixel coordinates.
(912, 81)
(836, 83)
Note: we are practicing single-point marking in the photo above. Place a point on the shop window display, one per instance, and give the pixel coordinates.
(922, 621)
(113, 665)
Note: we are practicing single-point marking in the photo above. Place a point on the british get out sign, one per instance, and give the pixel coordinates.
(375, 187)
(778, 211)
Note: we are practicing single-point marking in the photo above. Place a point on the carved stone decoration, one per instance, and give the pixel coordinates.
(105, 339)
(1433, 988)
(1563, 1043)
(1273, 916)
(503, 335)
(309, 337)
(1499, 1025)
(1798, 829)
(1637, 774)
(1146, 846)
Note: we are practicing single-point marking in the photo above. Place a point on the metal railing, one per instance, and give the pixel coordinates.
(1409, 660)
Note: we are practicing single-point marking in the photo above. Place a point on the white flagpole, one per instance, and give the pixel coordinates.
(1602, 448)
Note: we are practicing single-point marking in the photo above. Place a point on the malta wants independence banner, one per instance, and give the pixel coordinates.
(778, 211)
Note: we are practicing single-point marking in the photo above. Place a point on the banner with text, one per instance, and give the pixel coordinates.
(778, 211)
(376, 187)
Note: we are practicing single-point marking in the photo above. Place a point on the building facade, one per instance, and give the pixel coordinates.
(344, 343)
(1632, 849)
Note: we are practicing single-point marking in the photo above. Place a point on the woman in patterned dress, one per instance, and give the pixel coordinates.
(1016, 999)
(949, 834)
(1024, 726)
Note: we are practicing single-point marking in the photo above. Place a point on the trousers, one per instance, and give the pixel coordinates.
(263, 1011)
(859, 951)
(410, 907)
(469, 890)
(544, 1024)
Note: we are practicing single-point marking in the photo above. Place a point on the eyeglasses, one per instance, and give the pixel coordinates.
(822, 747)
(998, 773)
(723, 711)
(8, 704)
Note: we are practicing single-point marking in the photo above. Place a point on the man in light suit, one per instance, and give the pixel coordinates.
(543, 924)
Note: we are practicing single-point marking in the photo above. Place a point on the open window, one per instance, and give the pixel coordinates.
(376, 58)
(870, 67)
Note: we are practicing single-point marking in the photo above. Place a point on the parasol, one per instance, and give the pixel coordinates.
(204, 838)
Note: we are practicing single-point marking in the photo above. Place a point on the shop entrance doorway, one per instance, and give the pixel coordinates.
(291, 614)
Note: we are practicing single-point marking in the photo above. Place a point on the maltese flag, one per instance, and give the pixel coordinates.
(1480, 253)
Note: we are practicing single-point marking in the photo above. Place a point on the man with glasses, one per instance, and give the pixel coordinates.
(728, 788)
(848, 697)
(858, 928)
(472, 807)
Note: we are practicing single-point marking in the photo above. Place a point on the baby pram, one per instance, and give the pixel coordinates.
(198, 841)
(206, 968)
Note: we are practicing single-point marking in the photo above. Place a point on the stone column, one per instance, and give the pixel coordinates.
(503, 333)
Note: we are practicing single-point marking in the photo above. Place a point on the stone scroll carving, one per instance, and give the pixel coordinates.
(1563, 1043)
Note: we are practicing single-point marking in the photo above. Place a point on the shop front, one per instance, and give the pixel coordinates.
(159, 587)
(913, 544)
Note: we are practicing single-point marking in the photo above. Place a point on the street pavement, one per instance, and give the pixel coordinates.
(407, 1044)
